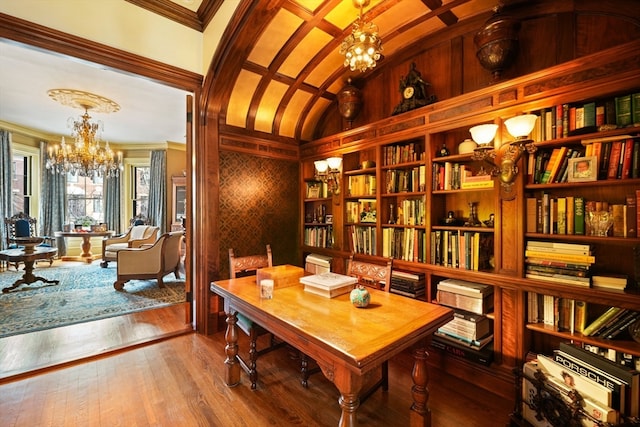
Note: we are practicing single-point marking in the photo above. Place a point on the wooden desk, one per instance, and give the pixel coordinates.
(86, 236)
(19, 255)
(346, 342)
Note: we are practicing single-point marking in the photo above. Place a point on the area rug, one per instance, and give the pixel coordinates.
(85, 293)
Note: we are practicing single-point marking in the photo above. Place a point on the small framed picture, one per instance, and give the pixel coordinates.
(583, 169)
(313, 192)
(329, 219)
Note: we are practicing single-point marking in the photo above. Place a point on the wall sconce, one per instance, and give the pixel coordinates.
(519, 127)
(328, 171)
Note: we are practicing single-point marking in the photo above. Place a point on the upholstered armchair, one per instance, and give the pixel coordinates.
(150, 261)
(137, 236)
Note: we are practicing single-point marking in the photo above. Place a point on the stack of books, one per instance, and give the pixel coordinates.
(567, 263)
(470, 333)
(328, 285)
(618, 282)
(407, 284)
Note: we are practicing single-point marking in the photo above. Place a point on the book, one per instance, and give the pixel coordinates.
(544, 270)
(618, 228)
(617, 387)
(476, 344)
(473, 304)
(614, 160)
(609, 281)
(620, 325)
(623, 110)
(569, 247)
(558, 264)
(328, 284)
(578, 222)
(558, 278)
(580, 316)
(630, 377)
(627, 159)
(600, 320)
(531, 214)
(559, 256)
(635, 108)
(483, 356)
(463, 287)
(584, 385)
(469, 328)
(631, 216)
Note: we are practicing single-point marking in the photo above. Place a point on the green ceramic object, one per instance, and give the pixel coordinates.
(360, 296)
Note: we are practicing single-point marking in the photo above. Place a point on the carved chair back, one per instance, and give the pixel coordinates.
(247, 265)
(19, 225)
(373, 272)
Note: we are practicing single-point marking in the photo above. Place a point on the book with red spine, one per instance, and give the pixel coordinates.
(614, 159)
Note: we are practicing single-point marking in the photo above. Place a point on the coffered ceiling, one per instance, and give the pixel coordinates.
(277, 74)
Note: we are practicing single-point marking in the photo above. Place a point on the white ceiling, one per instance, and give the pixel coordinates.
(149, 112)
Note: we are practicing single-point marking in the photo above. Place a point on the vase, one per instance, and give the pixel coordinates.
(497, 43)
(360, 296)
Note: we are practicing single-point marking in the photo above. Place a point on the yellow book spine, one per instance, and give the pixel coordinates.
(560, 256)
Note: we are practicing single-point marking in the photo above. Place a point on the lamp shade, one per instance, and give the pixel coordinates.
(334, 162)
(321, 165)
(483, 134)
(521, 126)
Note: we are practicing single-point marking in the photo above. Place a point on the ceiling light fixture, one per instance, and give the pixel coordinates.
(519, 127)
(85, 157)
(362, 47)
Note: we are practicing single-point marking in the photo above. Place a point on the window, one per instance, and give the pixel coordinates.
(21, 183)
(84, 198)
(141, 190)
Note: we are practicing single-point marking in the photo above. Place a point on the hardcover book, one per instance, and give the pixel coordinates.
(328, 284)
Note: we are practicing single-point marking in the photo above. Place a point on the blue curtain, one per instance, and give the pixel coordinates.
(112, 201)
(158, 189)
(53, 196)
(5, 182)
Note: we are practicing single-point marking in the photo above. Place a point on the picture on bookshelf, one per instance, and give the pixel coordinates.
(313, 192)
(582, 169)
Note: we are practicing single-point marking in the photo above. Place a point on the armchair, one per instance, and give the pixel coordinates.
(137, 236)
(150, 261)
(22, 225)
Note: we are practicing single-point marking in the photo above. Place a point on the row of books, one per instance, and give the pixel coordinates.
(563, 120)
(552, 165)
(570, 215)
(614, 322)
(409, 212)
(407, 283)
(405, 180)
(568, 263)
(395, 154)
(469, 250)
(407, 244)
(361, 185)
(318, 236)
(457, 176)
(362, 239)
(470, 333)
(617, 159)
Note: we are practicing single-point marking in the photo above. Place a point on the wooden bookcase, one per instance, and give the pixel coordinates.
(605, 75)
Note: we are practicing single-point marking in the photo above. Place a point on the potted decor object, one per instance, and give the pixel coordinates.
(360, 296)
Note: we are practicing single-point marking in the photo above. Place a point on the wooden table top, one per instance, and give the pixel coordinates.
(82, 233)
(20, 255)
(364, 337)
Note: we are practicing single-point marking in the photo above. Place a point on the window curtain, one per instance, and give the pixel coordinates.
(6, 167)
(158, 189)
(112, 202)
(53, 196)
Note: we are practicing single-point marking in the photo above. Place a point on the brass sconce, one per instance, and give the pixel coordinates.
(519, 127)
(328, 171)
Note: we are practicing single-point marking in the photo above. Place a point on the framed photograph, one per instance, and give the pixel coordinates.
(582, 169)
(328, 219)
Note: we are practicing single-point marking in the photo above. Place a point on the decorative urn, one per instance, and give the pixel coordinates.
(497, 43)
(360, 296)
(349, 102)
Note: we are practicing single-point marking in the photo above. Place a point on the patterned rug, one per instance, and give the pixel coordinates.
(85, 293)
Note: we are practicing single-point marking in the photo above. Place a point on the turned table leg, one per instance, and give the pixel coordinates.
(420, 415)
(232, 371)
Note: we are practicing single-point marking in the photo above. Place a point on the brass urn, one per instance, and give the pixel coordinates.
(349, 102)
(497, 43)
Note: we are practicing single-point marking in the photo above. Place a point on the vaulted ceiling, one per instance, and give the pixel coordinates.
(278, 68)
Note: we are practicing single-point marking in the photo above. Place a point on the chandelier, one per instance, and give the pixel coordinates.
(362, 47)
(85, 156)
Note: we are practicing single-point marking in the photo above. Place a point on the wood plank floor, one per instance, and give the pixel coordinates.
(179, 381)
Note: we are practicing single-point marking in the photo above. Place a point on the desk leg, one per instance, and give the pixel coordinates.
(86, 249)
(420, 414)
(28, 277)
(349, 385)
(232, 371)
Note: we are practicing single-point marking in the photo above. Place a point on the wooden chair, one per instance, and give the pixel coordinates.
(240, 267)
(373, 272)
(23, 225)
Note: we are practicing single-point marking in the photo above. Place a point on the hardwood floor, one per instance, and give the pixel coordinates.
(180, 381)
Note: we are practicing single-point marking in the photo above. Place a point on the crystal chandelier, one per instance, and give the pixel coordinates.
(84, 157)
(362, 47)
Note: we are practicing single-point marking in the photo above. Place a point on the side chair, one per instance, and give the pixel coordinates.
(246, 266)
(373, 272)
